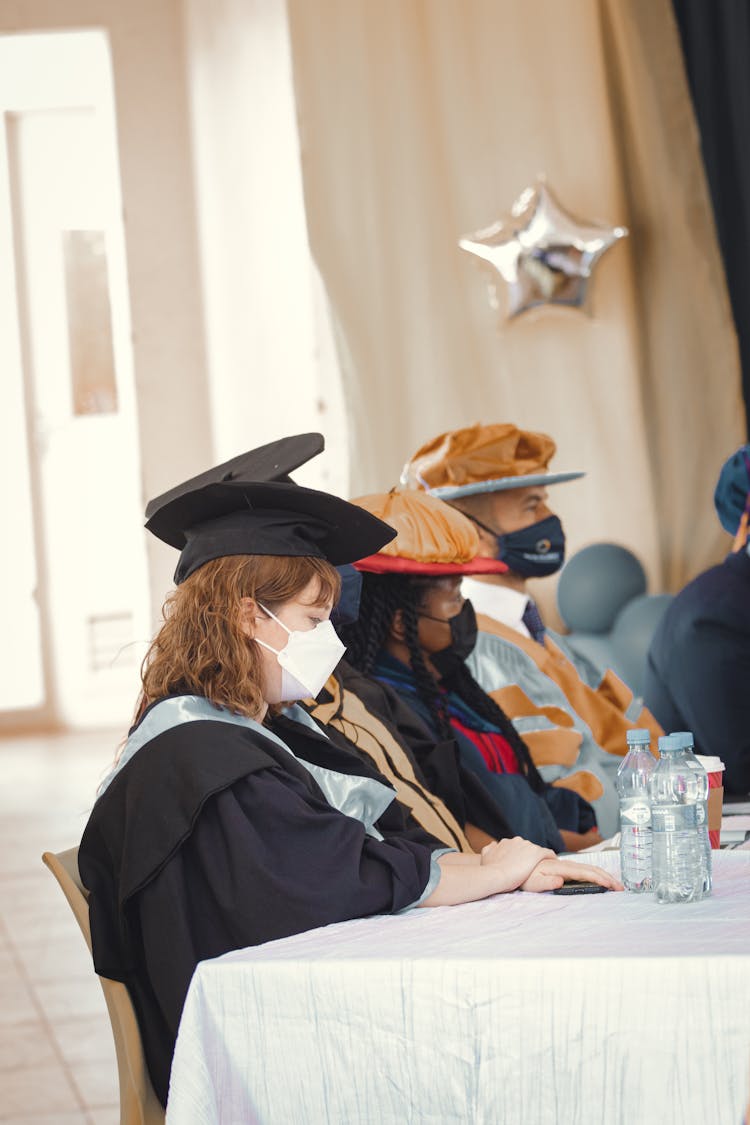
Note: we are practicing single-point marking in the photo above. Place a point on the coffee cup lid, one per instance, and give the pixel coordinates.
(710, 764)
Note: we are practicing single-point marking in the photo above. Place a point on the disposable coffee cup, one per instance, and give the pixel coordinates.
(714, 767)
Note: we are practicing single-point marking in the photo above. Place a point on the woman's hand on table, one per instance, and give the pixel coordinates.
(549, 874)
(527, 866)
(514, 860)
(508, 865)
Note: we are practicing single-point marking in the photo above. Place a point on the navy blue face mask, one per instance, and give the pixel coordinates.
(346, 610)
(532, 552)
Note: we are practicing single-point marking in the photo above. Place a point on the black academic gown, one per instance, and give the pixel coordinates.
(698, 667)
(437, 763)
(213, 838)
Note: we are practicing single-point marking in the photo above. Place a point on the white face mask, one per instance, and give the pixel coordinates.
(307, 659)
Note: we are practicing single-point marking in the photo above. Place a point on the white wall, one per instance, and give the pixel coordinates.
(160, 232)
(272, 364)
(231, 339)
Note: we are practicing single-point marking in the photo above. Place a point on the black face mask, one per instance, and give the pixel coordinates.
(463, 638)
(532, 552)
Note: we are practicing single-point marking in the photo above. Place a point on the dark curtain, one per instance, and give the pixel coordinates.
(715, 38)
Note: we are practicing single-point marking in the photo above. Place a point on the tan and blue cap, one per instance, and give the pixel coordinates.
(480, 459)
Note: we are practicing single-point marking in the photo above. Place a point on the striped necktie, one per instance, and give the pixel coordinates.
(533, 621)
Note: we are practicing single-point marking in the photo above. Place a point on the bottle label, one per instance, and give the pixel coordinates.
(639, 814)
(677, 818)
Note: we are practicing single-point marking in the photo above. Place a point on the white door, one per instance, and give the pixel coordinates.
(84, 556)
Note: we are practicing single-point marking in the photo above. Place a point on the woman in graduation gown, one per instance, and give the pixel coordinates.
(414, 634)
(227, 823)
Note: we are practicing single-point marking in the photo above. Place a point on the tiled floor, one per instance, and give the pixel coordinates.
(57, 1060)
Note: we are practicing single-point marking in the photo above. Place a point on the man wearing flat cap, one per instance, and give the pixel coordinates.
(573, 719)
(698, 667)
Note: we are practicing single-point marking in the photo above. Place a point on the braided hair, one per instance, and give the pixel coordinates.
(382, 596)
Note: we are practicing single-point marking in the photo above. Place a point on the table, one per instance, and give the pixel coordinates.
(523, 1009)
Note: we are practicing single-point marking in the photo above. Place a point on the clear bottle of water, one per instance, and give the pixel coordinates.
(679, 792)
(694, 764)
(635, 811)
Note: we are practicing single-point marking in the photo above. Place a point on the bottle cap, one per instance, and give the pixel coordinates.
(638, 737)
(677, 740)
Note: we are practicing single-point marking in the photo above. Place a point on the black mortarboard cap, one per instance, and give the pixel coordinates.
(274, 461)
(214, 515)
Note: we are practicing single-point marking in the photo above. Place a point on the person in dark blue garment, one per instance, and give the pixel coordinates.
(230, 819)
(698, 666)
(415, 632)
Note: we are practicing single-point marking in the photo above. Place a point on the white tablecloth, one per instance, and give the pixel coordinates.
(522, 1009)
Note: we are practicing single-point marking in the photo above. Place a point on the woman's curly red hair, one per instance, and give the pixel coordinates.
(201, 648)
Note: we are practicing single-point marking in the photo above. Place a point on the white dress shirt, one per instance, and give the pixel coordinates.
(501, 602)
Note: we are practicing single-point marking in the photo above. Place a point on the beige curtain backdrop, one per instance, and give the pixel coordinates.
(422, 120)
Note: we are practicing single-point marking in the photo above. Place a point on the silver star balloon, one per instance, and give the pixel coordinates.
(544, 255)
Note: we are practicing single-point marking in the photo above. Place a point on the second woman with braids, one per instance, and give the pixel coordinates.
(414, 633)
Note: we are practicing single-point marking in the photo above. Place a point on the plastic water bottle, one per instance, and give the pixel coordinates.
(635, 811)
(681, 852)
